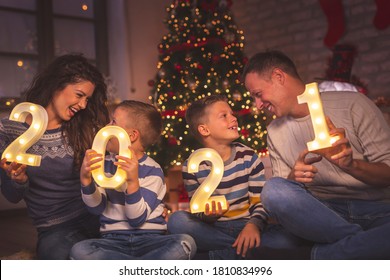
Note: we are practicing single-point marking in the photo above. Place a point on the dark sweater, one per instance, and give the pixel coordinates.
(52, 192)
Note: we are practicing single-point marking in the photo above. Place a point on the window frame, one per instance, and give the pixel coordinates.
(45, 16)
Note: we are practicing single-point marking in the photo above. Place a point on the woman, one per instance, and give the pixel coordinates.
(74, 95)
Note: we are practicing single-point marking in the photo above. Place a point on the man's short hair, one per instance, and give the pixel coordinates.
(263, 63)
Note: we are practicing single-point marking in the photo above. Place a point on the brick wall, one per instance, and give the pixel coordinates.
(298, 27)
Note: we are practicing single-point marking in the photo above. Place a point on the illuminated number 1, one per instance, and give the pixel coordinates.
(16, 151)
(99, 145)
(202, 195)
(322, 138)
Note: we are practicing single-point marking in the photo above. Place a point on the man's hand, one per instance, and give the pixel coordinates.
(304, 170)
(340, 154)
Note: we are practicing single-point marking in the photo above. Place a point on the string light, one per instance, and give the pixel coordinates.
(203, 49)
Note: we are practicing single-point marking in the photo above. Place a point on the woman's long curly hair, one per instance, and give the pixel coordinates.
(68, 69)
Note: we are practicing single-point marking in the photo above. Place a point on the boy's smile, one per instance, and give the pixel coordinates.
(221, 122)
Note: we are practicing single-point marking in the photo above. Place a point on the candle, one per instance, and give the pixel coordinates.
(99, 145)
(202, 195)
(16, 151)
(322, 138)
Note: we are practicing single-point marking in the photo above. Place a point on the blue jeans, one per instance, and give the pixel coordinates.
(55, 242)
(217, 238)
(341, 229)
(148, 246)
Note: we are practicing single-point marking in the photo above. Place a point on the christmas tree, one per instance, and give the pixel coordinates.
(201, 55)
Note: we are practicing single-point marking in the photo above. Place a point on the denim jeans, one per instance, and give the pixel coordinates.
(217, 238)
(55, 242)
(341, 229)
(148, 246)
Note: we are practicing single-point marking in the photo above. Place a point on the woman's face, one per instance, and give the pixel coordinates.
(67, 102)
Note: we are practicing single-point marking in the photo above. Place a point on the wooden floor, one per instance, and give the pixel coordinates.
(17, 234)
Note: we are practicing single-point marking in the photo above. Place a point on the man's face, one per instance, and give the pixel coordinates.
(267, 93)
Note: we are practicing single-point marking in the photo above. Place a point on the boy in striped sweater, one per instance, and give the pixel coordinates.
(231, 233)
(132, 222)
(212, 122)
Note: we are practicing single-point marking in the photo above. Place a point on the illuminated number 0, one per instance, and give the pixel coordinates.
(16, 151)
(322, 138)
(99, 145)
(202, 195)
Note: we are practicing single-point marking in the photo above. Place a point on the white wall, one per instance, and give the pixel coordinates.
(135, 30)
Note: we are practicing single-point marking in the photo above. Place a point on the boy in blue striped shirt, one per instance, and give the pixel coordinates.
(231, 233)
(132, 222)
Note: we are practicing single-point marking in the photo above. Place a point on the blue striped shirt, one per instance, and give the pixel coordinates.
(138, 212)
(241, 184)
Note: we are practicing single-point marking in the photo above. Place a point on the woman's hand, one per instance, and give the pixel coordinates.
(16, 171)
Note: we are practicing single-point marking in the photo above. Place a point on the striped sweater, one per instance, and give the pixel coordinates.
(242, 182)
(139, 212)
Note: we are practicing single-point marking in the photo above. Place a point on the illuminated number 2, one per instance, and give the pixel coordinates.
(99, 145)
(322, 138)
(16, 151)
(202, 195)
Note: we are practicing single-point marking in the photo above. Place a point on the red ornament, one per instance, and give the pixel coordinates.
(183, 194)
(172, 141)
(151, 83)
(216, 58)
(178, 67)
(209, 5)
(245, 133)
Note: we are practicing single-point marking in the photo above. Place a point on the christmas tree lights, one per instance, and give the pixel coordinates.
(201, 55)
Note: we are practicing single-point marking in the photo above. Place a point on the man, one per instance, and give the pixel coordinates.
(338, 197)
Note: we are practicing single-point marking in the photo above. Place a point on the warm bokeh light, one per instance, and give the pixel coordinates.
(16, 151)
(322, 138)
(202, 195)
(202, 54)
(99, 145)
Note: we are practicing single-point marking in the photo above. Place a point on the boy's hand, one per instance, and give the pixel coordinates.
(216, 210)
(248, 238)
(130, 165)
(15, 171)
(91, 157)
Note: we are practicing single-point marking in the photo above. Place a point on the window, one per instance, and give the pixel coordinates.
(33, 32)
